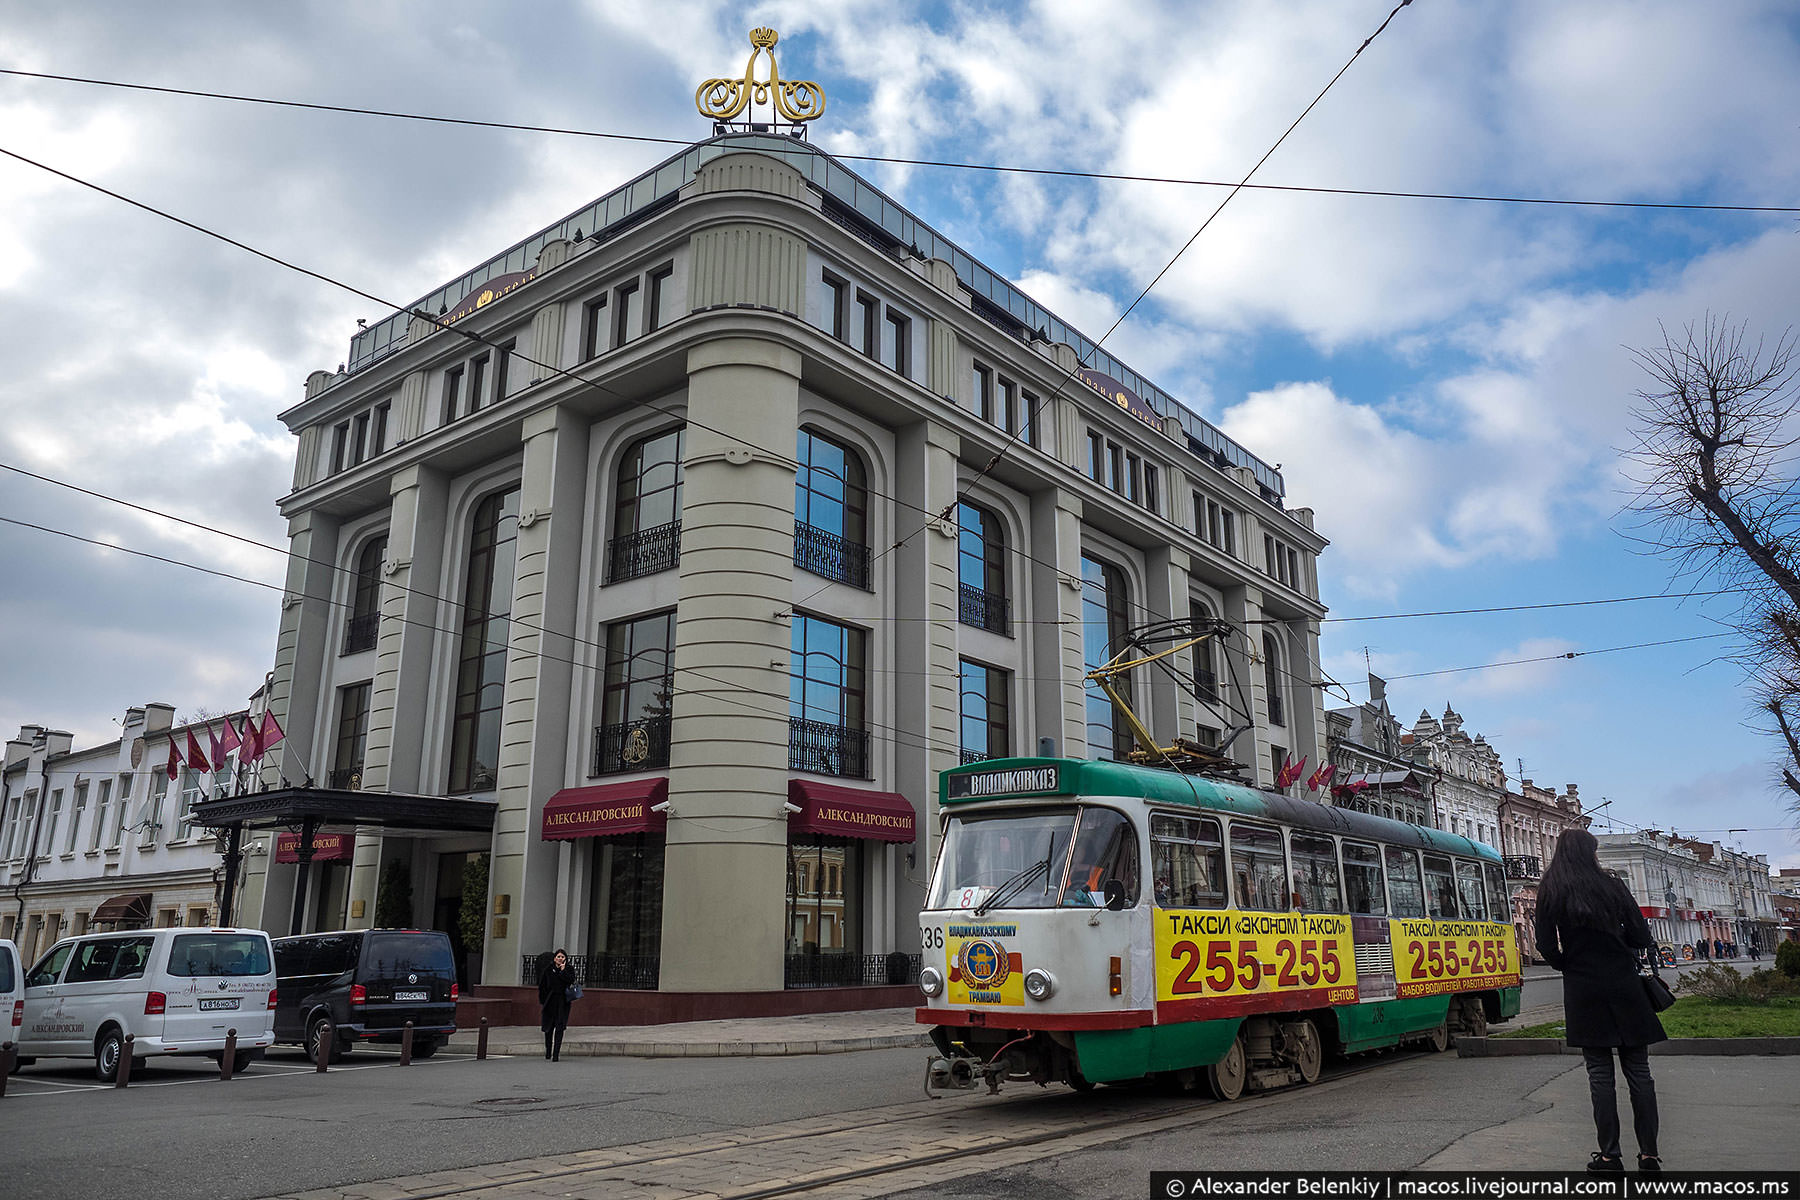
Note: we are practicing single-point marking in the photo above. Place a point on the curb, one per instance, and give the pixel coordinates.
(717, 1049)
(1502, 1047)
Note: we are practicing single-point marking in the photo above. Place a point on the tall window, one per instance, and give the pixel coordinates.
(352, 736)
(870, 310)
(1206, 656)
(824, 911)
(658, 313)
(76, 813)
(122, 817)
(49, 843)
(1273, 678)
(593, 327)
(102, 807)
(365, 598)
(503, 355)
(1103, 630)
(478, 371)
(827, 698)
(481, 665)
(647, 507)
(453, 380)
(982, 385)
(626, 912)
(831, 501)
(634, 704)
(986, 724)
(153, 811)
(981, 569)
(837, 303)
(897, 344)
(628, 313)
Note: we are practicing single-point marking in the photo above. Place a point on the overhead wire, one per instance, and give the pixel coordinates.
(898, 160)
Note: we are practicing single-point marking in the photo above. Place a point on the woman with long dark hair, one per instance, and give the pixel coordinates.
(1589, 927)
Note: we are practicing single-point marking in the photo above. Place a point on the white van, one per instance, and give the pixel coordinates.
(12, 994)
(176, 991)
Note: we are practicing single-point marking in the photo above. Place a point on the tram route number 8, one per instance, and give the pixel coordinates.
(1306, 962)
(1435, 958)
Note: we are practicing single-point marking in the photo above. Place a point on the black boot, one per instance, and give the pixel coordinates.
(547, 1037)
(556, 1052)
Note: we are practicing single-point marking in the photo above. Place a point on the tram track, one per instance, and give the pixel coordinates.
(970, 1122)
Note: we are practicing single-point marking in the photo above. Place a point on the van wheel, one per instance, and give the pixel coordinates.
(240, 1062)
(107, 1053)
(425, 1047)
(316, 1033)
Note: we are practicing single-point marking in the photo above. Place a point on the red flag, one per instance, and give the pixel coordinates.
(195, 758)
(270, 733)
(222, 743)
(1290, 772)
(1322, 776)
(174, 759)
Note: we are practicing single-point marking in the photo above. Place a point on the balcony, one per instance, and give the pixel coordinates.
(823, 749)
(831, 557)
(360, 633)
(633, 746)
(632, 555)
(975, 756)
(1522, 866)
(984, 610)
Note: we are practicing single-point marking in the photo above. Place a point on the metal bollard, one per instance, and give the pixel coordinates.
(481, 1042)
(327, 1036)
(124, 1075)
(229, 1057)
(406, 1045)
(8, 1052)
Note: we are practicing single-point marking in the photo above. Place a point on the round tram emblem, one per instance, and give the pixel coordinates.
(983, 963)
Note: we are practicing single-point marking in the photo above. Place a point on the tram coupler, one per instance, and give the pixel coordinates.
(960, 1073)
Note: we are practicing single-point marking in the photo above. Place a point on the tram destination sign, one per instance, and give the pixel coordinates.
(1010, 781)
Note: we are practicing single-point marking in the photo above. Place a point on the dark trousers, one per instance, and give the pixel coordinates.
(553, 1043)
(1635, 1061)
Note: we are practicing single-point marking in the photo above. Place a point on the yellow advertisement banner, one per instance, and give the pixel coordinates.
(1432, 957)
(1202, 955)
(980, 967)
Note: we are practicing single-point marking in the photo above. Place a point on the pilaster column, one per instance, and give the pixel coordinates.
(295, 691)
(724, 881)
(534, 720)
(1058, 696)
(1171, 706)
(1243, 608)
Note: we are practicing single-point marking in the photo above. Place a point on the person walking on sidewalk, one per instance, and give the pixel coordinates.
(557, 993)
(1589, 927)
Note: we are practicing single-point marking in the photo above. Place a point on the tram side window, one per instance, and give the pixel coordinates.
(1105, 849)
(1258, 868)
(1496, 891)
(1405, 891)
(1362, 879)
(1440, 888)
(1468, 886)
(1188, 861)
(1316, 882)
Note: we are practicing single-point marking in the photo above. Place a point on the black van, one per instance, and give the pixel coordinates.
(370, 983)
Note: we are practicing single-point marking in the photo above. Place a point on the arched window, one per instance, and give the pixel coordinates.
(1103, 630)
(981, 570)
(481, 662)
(1273, 678)
(831, 510)
(647, 508)
(1206, 655)
(365, 598)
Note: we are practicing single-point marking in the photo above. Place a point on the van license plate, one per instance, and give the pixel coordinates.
(217, 1003)
(414, 997)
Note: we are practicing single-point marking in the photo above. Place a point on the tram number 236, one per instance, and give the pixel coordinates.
(1222, 966)
(1439, 958)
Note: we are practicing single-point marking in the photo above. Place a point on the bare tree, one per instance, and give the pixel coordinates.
(1714, 468)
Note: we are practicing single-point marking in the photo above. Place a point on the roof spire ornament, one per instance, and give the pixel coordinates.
(790, 103)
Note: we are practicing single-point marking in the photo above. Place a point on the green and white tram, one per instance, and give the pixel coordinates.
(1093, 922)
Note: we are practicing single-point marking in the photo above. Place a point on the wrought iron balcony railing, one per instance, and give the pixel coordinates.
(975, 756)
(1522, 866)
(827, 555)
(631, 972)
(826, 968)
(985, 610)
(645, 552)
(633, 746)
(827, 749)
(361, 631)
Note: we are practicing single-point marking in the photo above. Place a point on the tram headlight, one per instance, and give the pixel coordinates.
(931, 980)
(1040, 984)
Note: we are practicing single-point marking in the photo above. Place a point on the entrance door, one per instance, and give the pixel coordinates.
(446, 912)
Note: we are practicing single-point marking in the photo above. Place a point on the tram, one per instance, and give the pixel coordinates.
(1097, 922)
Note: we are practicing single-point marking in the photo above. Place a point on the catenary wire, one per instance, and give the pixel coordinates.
(896, 160)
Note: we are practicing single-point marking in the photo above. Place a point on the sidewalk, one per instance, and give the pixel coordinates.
(813, 1033)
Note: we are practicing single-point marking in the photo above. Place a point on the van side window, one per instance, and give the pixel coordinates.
(1440, 888)
(93, 961)
(294, 956)
(1362, 879)
(335, 953)
(1404, 888)
(49, 966)
(132, 958)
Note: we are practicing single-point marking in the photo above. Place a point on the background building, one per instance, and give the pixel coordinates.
(1374, 773)
(756, 504)
(1470, 780)
(1531, 820)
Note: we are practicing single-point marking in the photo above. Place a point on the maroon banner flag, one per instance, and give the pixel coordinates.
(174, 760)
(195, 757)
(270, 733)
(1321, 777)
(1290, 772)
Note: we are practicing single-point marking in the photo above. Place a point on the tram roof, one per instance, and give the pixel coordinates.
(1013, 778)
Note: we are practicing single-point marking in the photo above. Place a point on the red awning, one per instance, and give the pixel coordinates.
(850, 812)
(606, 811)
(327, 847)
(1652, 911)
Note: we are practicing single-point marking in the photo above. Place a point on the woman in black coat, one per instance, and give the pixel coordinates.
(1590, 928)
(555, 978)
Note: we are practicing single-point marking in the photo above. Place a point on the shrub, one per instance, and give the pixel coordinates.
(1727, 984)
(393, 899)
(1787, 959)
(472, 920)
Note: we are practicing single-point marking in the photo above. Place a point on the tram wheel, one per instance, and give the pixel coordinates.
(1225, 1078)
(1439, 1038)
(1474, 1022)
(1308, 1049)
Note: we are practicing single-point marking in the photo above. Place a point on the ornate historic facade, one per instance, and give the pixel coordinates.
(1531, 819)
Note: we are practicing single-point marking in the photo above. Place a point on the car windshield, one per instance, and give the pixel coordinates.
(999, 859)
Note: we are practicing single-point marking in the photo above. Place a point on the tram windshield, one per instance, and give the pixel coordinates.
(1021, 859)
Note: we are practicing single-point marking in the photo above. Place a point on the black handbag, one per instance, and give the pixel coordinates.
(1655, 990)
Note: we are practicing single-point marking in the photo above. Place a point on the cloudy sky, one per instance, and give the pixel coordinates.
(1446, 383)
